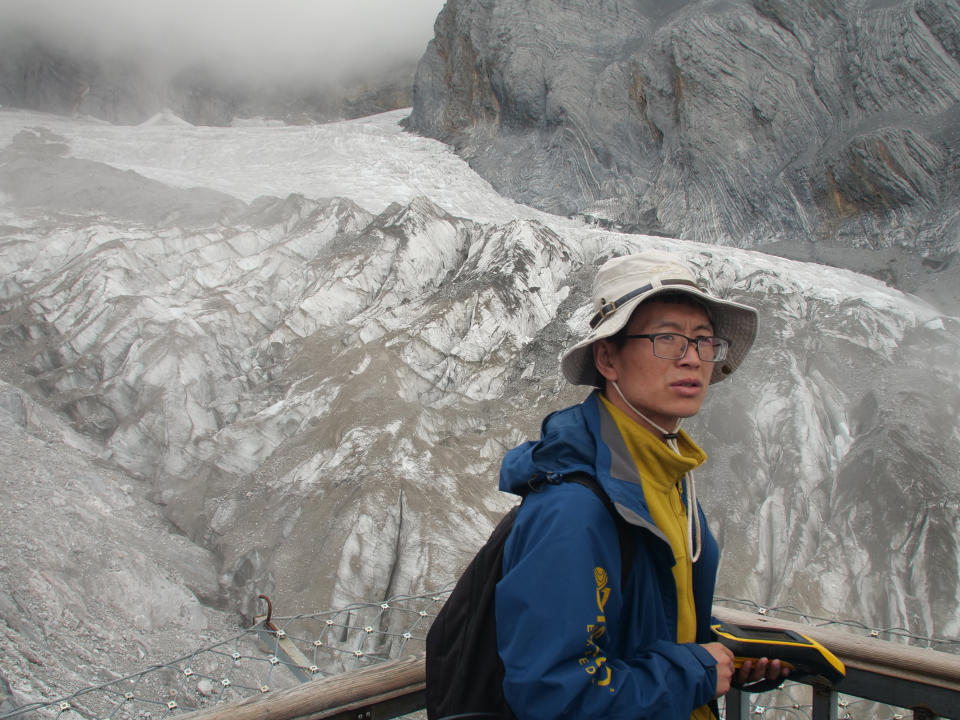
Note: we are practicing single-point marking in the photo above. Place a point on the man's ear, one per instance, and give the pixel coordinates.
(603, 358)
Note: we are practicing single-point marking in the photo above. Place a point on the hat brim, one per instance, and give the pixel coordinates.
(731, 320)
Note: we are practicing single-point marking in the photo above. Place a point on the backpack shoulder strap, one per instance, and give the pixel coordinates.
(624, 534)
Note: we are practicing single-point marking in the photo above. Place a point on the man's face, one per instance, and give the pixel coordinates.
(663, 390)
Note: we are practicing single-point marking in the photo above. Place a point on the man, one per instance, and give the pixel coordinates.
(579, 635)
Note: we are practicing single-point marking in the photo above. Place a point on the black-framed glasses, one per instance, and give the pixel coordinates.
(673, 346)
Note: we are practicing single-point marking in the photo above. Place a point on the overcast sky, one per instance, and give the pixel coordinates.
(279, 36)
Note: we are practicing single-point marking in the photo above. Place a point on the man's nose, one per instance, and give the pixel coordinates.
(691, 355)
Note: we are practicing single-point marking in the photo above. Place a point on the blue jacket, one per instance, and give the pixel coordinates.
(574, 644)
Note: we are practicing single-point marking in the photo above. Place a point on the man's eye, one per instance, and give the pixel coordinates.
(668, 337)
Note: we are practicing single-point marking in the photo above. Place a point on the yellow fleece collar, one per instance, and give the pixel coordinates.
(664, 467)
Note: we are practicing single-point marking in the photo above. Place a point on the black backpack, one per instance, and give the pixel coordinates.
(464, 669)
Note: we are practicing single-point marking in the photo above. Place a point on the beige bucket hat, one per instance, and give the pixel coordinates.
(623, 283)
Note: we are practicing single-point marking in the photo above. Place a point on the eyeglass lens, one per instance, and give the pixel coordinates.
(673, 347)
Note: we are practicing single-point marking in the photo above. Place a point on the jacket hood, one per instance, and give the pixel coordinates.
(581, 438)
(563, 448)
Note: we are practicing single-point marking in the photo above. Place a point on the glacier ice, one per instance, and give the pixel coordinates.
(310, 347)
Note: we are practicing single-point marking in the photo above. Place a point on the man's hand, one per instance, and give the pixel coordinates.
(749, 672)
(764, 669)
(724, 659)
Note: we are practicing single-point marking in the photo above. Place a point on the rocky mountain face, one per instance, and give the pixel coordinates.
(206, 398)
(816, 130)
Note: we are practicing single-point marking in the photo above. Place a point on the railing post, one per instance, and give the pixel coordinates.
(736, 705)
(824, 702)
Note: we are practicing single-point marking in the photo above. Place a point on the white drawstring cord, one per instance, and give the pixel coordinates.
(670, 437)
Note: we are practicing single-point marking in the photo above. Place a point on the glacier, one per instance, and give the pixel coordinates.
(287, 360)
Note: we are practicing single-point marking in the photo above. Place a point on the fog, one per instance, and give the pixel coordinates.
(270, 40)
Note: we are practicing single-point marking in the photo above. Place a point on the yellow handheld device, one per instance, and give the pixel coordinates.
(803, 655)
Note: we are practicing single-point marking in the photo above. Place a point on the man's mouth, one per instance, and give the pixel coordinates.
(687, 387)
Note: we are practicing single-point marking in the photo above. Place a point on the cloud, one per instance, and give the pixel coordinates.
(272, 38)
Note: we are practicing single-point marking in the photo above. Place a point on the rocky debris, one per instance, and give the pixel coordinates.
(93, 580)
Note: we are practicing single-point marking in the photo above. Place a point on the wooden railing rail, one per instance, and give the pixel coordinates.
(926, 681)
(386, 690)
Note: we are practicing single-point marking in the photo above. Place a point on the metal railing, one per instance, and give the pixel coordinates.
(927, 682)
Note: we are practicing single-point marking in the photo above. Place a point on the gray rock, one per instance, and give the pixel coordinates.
(738, 123)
